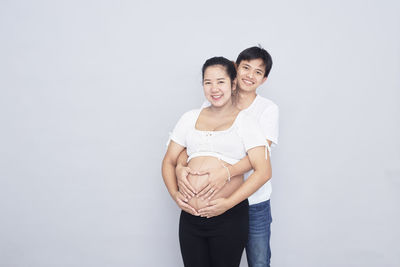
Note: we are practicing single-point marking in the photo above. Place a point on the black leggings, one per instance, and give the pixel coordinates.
(215, 242)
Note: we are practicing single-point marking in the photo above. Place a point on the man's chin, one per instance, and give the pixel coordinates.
(247, 89)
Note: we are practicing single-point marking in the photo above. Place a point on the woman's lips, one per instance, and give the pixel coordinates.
(216, 97)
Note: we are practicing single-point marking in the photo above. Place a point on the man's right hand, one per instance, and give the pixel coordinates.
(184, 186)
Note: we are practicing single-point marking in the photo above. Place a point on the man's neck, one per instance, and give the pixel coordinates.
(244, 99)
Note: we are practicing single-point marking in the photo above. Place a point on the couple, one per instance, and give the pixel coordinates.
(228, 137)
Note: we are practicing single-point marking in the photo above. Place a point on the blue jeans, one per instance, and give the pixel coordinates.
(258, 250)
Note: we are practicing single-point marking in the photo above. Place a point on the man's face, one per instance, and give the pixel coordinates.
(250, 74)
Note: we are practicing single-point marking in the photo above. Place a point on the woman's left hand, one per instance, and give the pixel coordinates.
(214, 208)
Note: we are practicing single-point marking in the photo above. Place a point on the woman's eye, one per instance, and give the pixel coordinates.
(221, 82)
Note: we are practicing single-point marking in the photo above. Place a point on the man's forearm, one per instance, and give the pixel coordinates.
(168, 173)
(252, 184)
(240, 167)
(243, 166)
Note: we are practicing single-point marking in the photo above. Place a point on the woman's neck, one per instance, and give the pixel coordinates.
(228, 108)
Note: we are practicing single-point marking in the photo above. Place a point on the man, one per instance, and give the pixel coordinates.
(253, 67)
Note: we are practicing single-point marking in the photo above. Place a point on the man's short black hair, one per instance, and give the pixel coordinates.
(256, 52)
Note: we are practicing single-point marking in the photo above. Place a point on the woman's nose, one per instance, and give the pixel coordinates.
(214, 88)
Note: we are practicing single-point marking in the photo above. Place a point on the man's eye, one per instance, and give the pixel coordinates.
(221, 82)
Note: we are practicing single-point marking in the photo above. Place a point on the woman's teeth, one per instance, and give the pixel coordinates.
(216, 97)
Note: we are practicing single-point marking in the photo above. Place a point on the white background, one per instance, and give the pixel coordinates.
(90, 89)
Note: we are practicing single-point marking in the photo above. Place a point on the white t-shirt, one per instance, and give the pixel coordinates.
(229, 145)
(266, 114)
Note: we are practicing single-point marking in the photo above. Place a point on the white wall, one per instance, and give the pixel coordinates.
(90, 89)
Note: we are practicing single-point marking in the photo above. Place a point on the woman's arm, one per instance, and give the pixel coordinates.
(168, 172)
(262, 173)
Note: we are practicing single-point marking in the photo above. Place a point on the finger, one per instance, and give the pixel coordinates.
(204, 190)
(189, 187)
(213, 193)
(182, 197)
(193, 172)
(212, 202)
(204, 210)
(185, 190)
(181, 189)
(187, 208)
(203, 172)
(192, 210)
(184, 173)
(208, 194)
(207, 215)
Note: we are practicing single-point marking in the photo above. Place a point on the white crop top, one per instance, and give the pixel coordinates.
(229, 145)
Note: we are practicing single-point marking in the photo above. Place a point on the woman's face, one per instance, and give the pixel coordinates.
(217, 85)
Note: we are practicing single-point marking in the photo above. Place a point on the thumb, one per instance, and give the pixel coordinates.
(213, 202)
(203, 172)
(195, 172)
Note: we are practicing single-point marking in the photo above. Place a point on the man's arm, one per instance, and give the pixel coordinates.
(218, 177)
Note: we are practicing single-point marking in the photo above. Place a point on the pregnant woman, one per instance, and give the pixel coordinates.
(218, 135)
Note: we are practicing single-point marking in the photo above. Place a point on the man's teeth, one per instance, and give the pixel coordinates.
(216, 96)
(248, 82)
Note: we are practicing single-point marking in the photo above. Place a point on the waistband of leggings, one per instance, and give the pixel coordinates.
(239, 208)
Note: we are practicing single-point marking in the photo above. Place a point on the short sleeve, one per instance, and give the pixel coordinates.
(269, 123)
(250, 132)
(181, 129)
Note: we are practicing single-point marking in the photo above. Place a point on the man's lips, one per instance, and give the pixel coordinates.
(247, 82)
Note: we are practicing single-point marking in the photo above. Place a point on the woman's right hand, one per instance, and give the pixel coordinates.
(181, 201)
(184, 186)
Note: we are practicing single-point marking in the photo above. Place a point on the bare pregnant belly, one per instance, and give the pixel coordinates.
(198, 181)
